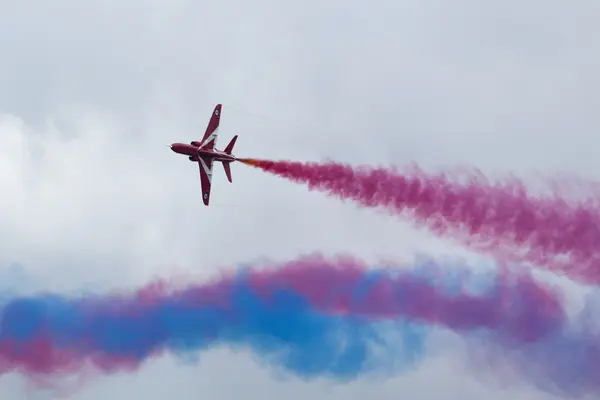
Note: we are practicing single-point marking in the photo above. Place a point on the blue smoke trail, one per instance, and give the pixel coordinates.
(51, 334)
(312, 317)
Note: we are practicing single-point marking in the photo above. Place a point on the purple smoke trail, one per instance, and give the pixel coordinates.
(312, 316)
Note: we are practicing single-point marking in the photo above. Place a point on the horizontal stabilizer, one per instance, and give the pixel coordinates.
(229, 147)
(227, 168)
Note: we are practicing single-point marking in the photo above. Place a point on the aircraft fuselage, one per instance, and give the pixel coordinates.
(194, 152)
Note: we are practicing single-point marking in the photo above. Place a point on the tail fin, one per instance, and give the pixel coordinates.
(229, 147)
(227, 168)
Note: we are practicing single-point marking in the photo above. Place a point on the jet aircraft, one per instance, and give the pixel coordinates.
(205, 153)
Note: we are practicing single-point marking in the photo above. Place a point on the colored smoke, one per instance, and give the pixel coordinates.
(312, 316)
(503, 219)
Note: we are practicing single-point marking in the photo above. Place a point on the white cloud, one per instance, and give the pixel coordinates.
(90, 94)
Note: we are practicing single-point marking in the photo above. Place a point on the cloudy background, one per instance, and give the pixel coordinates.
(90, 92)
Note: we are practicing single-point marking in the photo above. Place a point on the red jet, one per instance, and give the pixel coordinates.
(205, 154)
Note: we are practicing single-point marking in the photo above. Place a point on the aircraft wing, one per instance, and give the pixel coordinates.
(212, 130)
(206, 168)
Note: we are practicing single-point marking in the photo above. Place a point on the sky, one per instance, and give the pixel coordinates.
(91, 92)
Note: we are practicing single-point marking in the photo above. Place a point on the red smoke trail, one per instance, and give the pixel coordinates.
(494, 218)
(313, 316)
(513, 304)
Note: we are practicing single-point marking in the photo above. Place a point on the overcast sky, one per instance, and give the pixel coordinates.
(91, 91)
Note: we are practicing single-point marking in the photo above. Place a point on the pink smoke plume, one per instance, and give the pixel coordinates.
(503, 219)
